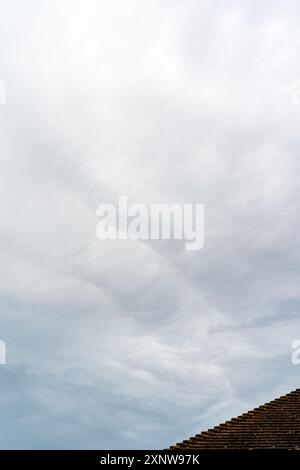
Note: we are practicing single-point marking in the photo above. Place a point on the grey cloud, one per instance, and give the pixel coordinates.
(137, 345)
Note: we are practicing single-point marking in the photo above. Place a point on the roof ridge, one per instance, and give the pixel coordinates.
(233, 425)
(254, 410)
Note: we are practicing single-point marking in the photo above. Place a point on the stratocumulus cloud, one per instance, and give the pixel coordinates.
(136, 344)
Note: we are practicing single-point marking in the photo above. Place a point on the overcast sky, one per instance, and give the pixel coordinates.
(128, 344)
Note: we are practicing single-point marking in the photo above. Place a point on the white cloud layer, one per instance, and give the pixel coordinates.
(121, 344)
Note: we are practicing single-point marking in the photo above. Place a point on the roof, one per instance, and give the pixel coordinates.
(274, 425)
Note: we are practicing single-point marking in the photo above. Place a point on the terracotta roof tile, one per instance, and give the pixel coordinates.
(273, 425)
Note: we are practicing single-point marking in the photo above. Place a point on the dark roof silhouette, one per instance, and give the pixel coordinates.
(275, 425)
